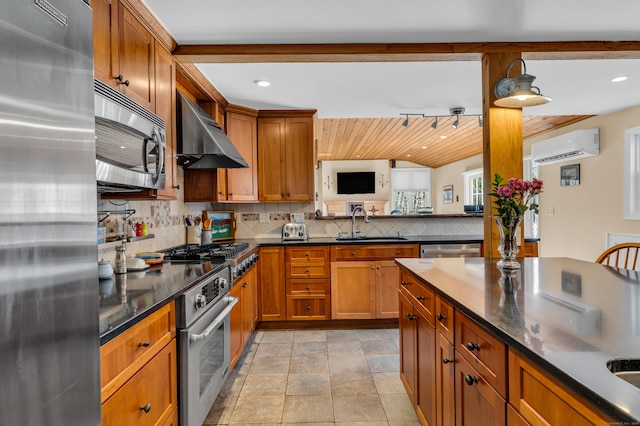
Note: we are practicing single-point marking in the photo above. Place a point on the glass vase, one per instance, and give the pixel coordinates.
(508, 246)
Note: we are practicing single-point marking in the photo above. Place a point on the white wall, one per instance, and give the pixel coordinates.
(451, 174)
(574, 220)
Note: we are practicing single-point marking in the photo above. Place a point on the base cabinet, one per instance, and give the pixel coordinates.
(445, 379)
(138, 371)
(271, 291)
(477, 403)
(244, 315)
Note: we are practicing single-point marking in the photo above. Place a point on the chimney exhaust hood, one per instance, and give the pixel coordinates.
(201, 142)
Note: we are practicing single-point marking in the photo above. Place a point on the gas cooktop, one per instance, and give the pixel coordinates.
(200, 253)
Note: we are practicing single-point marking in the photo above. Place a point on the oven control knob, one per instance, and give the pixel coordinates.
(201, 301)
(223, 283)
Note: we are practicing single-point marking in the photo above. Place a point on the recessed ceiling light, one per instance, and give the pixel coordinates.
(619, 79)
(263, 83)
(423, 147)
(408, 155)
(443, 137)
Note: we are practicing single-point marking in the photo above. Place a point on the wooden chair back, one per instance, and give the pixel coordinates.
(624, 255)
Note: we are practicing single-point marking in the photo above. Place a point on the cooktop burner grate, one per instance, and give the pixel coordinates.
(198, 253)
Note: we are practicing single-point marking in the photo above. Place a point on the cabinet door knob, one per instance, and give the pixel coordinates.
(471, 380)
(446, 360)
(420, 298)
(308, 308)
(441, 317)
(144, 344)
(308, 288)
(473, 346)
(372, 268)
(176, 186)
(219, 192)
(397, 251)
(244, 285)
(146, 408)
(306, 254)
(353, 253)
(307, 271)
(411, 317)
(120, 79)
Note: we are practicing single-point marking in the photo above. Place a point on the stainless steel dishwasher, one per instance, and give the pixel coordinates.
(450, 250)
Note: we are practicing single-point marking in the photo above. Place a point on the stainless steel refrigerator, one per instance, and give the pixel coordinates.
(49, 343)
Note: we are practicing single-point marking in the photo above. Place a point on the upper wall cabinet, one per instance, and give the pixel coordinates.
(242, 184)
(285, 155)
(124, 52)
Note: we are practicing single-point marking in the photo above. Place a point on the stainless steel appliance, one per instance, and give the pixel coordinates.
(450, 250)
(201, 142)
(198, 253)
(203, 341)
(294, 232)
(49, 343)
(130, 143)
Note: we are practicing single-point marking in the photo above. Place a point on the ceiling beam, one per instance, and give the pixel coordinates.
(402, 52)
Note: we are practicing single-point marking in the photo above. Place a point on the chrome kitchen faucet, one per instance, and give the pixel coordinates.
(367, 219)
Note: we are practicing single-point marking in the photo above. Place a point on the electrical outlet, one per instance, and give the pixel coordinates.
(297, 217)
(264, 217)
(550, 211)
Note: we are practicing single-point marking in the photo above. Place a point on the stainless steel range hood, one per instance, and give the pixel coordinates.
(201, 142)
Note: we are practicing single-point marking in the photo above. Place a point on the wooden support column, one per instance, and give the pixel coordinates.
(502, 139)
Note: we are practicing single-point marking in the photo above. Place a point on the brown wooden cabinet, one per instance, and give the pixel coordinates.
(307, 283)
(124, 51)
(445, 381)
(271, 291)
(242, 183)
(539, 399)
(244, 315)
(139, 370)
(477, 402)
(285, 155)
(364, 280)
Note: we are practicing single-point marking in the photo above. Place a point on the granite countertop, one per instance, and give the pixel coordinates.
(126, 299)
(409, 239)
(568, 316)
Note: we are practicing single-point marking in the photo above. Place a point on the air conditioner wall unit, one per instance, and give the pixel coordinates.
(570, 146)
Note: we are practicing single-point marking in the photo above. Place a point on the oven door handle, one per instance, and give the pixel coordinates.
(216, 322)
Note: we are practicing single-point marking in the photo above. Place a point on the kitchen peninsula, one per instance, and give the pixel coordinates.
(536, 354)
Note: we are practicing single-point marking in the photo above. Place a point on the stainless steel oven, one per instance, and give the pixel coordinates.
(203, 339)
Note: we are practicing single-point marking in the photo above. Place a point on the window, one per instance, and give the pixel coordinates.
(411, 189)
(473, 190)
(531, 219)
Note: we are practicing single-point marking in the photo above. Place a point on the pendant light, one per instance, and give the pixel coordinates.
(518, 92)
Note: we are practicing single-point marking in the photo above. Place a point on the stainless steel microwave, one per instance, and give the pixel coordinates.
(130, 143)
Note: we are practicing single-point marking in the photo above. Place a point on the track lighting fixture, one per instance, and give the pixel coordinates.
(455, 112)
(518, 92)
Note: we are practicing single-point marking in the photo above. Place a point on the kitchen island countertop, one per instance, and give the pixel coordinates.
(568, 316)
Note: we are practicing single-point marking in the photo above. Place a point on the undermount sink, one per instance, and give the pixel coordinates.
(370, 238)
(628, 369)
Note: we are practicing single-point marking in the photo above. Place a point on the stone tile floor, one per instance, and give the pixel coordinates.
(319, 377)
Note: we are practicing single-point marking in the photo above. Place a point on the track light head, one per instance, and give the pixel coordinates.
(405, 123)
(457, 111)
(434, 125)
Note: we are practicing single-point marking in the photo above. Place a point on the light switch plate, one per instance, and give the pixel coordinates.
(264, 217)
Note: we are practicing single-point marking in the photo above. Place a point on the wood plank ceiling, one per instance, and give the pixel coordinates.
(388, 139)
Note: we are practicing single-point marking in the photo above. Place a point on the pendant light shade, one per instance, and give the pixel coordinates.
(519, 91)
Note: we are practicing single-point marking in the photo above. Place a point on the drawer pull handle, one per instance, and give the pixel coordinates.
(120, 79)
(404, 282)
(145, 344)
(307, 271)
(411, 317)
(420, 298)
(308, 308)
(308, 288)
(441, 317)
(397, 251)
(244, 285)
(446, 360)
(306, 254)
(471, 380)
(473, 346)
(353, 253)
(146, 408)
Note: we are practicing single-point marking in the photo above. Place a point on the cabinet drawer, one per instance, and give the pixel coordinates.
(123, 356)
(308, 270)
(421, 297)
(483, 351)
(307, 254)
(373, 252)
(444, 318)
(477, 403)
(154, 387)
(308, 287)
(308, 307)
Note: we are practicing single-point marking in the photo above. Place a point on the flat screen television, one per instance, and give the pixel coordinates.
(356, 182)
